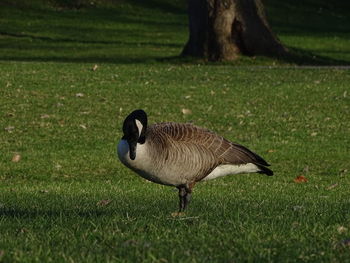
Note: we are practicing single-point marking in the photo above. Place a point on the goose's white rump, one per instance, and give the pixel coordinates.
(228, 169)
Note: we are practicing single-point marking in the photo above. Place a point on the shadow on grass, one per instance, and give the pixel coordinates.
(302, 57)
(112, 210)
(29, 48)
(128, 207)
(72, 206)
(164, 6)
(99, 52)
(128, 38)
(32, 213)
(296, 57)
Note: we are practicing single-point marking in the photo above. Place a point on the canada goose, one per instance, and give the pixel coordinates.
(182, 154)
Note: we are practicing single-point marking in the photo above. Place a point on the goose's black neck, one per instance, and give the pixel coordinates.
(131, 130)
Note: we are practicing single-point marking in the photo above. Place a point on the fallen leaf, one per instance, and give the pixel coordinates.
(271, 151)
(332, 186)
(61, 123)
(343, 171)
(188, 218)
(79, 95)
(345, 242)
(83, 126)
(186, 111)
(16, 158)
(45, 116)
(22, 230)
(298, 207)
(306, 169)
(300, 179)
(177, 214)
(313, 134)
(342, 229)
(9, 128)
(130, 242)
(103, 202)
(44, 191)
(94, 67)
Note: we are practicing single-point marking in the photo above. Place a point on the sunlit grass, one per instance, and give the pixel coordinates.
(66, 120)
(64, 196)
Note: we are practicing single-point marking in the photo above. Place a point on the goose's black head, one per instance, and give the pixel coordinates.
(134, 129)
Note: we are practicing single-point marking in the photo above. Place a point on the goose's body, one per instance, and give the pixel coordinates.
(182, 154)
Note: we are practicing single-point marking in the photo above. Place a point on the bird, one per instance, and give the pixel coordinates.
(182, 154)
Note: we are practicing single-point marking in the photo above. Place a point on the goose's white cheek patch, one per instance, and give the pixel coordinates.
(139, 126)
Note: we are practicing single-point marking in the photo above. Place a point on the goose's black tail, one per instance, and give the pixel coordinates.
(264, 170)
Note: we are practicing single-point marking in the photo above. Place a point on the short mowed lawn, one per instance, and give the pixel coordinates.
(69, 74)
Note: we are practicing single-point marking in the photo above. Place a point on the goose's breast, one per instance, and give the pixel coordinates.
(150, 165)
(142, 160)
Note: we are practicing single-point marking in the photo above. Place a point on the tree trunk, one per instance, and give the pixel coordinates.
(223, 29)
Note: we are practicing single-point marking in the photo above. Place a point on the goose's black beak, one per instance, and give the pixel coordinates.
(132, 150)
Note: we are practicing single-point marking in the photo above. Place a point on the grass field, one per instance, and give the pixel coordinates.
(64, 196)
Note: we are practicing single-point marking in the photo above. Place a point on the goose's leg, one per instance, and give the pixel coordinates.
(185, 192)
(183, 196)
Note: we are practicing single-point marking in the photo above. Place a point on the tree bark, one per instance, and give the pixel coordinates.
(222, 29)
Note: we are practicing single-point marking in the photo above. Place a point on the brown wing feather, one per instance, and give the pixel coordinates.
(182, 144)
(224, 150)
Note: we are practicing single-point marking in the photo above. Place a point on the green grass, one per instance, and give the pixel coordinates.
(64, 120)
(135, 31)
(319, 27)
